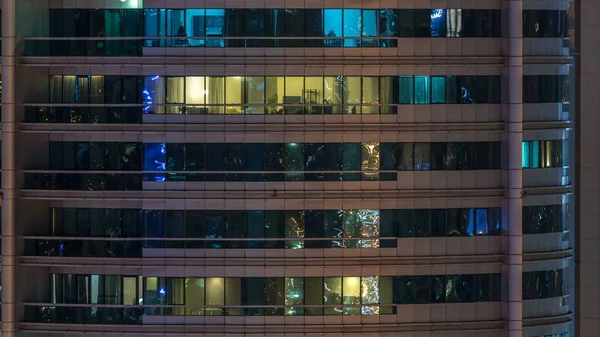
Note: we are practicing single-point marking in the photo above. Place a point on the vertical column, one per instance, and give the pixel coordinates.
(9, 190)
(514, 255)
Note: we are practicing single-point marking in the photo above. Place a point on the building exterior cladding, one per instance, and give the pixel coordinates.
(288, 168)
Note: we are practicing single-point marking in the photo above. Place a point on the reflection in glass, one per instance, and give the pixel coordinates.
(351, 295)
(294, 295)
(370, 228)
(332, 295)
(294, 228)
(370, 295)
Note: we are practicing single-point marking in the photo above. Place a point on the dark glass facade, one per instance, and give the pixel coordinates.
(545, 284)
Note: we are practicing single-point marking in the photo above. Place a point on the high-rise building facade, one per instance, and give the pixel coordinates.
(288, 168)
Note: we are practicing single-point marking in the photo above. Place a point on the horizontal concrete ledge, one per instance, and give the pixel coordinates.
(544, 256)
(331, 330)
(291, 124)
(221, 258)
(336, 329)
(160, 262)
(349, 194)
(262, 60)
(341, 194)
(46, 61)
(542, 321)
(226, 123)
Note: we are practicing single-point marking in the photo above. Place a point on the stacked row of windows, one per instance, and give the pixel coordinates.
(545, 284)
(98, 222)
(543, 153)
(274, 95)
(545, 23)
(544, 219)
(372, 156)
(366, 295)
(545, 88)
(199, 27)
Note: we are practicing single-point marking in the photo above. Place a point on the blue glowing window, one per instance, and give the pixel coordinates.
(438, 23)
(155, 159)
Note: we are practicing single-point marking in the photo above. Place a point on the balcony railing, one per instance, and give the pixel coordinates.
(133, 181)
(133, 314)
(133, 46)
(111, 247)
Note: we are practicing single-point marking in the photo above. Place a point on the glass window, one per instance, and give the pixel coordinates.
(468, 90)
(438, 23)
(388, 87)
(407, 89)
(154, 93)
(256, 228)
(422, 19)
(313, 94)
(438, 222)
(194, 228)
(422, 90)
(422, 156)
(294, 295)
(215, 228)
(154, 157)
(370, 95)
(333, 228)
(406, 156)
(438, 89)
(294, 95)
(422, 222)
(351, 295)
(454, 22)
(175, 228)
(294, 228)
(175, 94)
(215, 296)
(438, 156)
(352, 26)
(333, 28)
(388, 27)
(194, 295)
(176, 28)
(215, 94)
(439, 289)
(255, 94)
(314, 223)
(154, 227)
(313, 25)
(214, 157)
(313, 297)
(352, 94)
(334, 88)
(369, 27)
(195, 90)
(215, 27)
(406, 23)
(422, 286)
(234, 88)
(275, 93)
(195, 25)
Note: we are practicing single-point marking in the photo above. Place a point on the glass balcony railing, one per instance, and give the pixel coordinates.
(128, 181)
(83, 47)
(84, 114)
(132, 247)
(65, 314)
(130, 314)
(84, 181)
